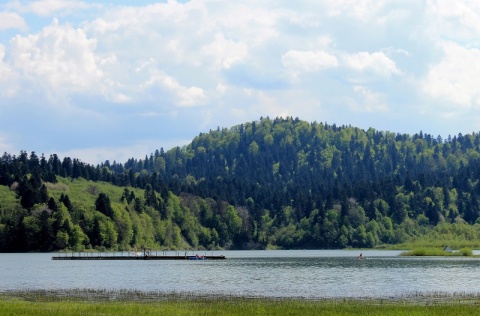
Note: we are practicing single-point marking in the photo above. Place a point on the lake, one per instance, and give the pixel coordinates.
(277, 274)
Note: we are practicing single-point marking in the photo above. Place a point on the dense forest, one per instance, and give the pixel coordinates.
(271, 183)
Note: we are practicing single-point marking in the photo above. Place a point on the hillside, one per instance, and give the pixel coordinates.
(270, 183)
(79, 215)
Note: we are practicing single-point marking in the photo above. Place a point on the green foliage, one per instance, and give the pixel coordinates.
(430, 251)
(280, 182)
(456, 236)
(426, 252)
(465, 252)
(103, 216)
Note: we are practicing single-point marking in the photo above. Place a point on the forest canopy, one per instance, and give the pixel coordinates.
(271, 183)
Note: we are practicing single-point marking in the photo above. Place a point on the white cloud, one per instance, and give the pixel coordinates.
(456, 20)
(376, 62)
(371, 101)
(225, 53)
(191, 96)
(59, 58)
(297, 62)
(3, 67)
(221, 88)
(455, 77)
(253, 21)
(185, 96)
(360, 9)
(8, 77)
(49, 7)
(239, 60)
(11, 20)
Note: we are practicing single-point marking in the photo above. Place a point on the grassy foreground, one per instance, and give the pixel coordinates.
(50, 306)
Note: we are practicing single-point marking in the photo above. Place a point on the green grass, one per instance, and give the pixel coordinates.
(83, 193)
(440, 243)
(231, 307)
(100, 303)
(8, 198)
(431, 251)
(456, 235)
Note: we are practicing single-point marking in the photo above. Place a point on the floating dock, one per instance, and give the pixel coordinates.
(146, 255)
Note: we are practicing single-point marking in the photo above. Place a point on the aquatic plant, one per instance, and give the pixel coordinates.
(431, 251)
(131, 302)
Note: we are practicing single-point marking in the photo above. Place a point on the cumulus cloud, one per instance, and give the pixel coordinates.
(48, 7)
(11, 20)
(454, 29)
(225, 53)
(252, 21)
(360, 9)
(184, 96)
(376, 62)
(59, 58)
(216, 62)
(453, 20)
(8, 77)
(370, 101)
(455, 77)
(308, 61)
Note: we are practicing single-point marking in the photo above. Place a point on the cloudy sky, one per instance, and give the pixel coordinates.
(111, 80)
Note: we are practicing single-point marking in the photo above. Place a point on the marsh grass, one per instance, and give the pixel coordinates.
(432, 251)
(130, 302)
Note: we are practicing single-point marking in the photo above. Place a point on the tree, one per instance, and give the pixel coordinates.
(103, 205)
(27, 193)
(233, 222)
(52, 204)
(66, 201)
(150, 197)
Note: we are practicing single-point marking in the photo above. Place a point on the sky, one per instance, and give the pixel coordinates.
(113, 80)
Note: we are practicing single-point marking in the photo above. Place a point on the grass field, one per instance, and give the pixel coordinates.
(95, 304)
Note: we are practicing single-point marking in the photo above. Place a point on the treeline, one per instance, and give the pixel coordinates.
(79, 215)
(286, 183)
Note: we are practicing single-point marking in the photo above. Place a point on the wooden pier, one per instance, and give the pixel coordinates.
(146, 255)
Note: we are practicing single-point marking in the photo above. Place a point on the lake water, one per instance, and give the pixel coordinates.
(302, 274)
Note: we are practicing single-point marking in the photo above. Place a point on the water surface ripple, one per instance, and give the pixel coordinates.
(302, 274)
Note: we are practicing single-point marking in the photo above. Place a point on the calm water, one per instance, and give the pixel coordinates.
(311, 274)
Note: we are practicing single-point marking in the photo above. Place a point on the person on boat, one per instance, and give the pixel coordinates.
(360, 256)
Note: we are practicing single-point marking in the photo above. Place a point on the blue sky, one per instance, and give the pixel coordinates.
(114, 80)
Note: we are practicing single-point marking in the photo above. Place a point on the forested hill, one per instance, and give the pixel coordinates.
(281, 183)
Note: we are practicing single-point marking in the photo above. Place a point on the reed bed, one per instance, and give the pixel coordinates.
(132, 295)
(132, 302)
(432, 251)
(105, 295)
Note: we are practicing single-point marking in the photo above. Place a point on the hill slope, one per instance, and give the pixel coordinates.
(283, 183)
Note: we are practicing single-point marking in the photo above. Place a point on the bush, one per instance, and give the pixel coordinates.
(465, 252)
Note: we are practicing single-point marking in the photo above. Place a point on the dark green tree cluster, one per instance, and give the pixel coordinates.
(131, 220)
(279, 182)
